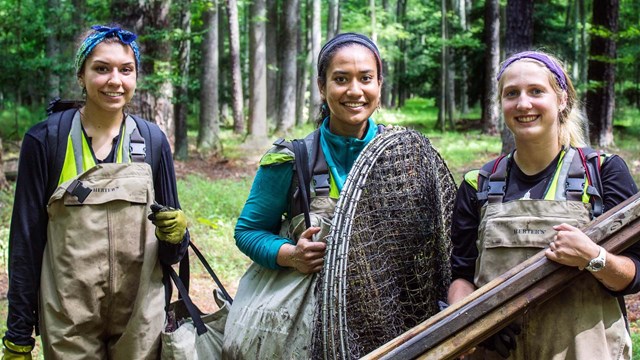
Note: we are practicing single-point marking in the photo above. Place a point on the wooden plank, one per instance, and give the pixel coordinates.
(615, 230)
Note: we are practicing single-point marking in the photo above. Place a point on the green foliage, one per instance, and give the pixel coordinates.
(16, 120)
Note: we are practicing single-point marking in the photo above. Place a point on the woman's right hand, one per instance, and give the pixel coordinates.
(307, 256)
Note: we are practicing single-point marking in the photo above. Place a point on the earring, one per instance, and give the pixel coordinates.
(84, 93)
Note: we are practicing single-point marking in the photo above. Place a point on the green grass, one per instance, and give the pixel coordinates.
(212, 208)
(635, 340)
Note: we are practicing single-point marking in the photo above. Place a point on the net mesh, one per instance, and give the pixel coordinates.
(387, 259)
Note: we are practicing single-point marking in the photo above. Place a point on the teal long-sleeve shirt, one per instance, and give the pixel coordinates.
(257, 228)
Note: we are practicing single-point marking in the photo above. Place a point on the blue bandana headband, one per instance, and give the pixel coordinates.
(546, 60)
(101, 33)
(350, 38)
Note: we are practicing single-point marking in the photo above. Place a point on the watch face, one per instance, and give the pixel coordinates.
(596, 264)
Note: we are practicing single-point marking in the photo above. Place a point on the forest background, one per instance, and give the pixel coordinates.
(224, 79)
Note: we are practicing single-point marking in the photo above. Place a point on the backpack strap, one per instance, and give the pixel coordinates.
(134, 143)
(492, 183)
(571, 178)
(301, 168)
(58, 128)
(149, 143)
(592, 164)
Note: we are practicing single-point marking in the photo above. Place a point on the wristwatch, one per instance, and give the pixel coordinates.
(599, 262)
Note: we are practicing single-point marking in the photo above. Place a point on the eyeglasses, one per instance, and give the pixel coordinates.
(127, 37)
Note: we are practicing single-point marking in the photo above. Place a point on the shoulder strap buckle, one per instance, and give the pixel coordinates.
(77, 189)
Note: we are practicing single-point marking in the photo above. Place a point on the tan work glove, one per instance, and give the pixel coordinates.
(16, 352)
(171, 224)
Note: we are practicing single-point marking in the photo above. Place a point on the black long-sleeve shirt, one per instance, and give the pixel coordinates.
(28, 233)
(618, 185)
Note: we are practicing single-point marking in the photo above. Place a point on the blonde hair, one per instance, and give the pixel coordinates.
(571, 120)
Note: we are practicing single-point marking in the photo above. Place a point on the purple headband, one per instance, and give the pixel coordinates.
(546, 60)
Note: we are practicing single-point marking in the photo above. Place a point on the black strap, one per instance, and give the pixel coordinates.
(211, 272)
(304, 178)
(497, 184)
(194, 312)
(183, 291)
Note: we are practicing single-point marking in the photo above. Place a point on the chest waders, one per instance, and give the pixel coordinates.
(272, 316)
(581, 322)
(101, 290)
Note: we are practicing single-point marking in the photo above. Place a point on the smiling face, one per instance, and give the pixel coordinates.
(351, 89)
(109, 76)
(529, 103)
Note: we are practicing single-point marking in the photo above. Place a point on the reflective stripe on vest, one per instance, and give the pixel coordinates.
(79, 156)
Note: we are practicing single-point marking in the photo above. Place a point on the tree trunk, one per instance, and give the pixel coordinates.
(272, 60)
(258, 74)
(518, 37)
(490, 106)
(303, 63)
(464, 99)
(53, 52)
(151, 19)
(181, 106)
(387, 85)
(287, 98)
(3, 180)
(399, 92)
(209, 134)
(316, 35)
(519, 26)
(374, 25)
(602, 72)
(333, 25)
(442, 100)
(450, 71)
(236, 73)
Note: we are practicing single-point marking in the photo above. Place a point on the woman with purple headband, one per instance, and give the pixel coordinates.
(84, 260)
(535, 199)
(349, 79)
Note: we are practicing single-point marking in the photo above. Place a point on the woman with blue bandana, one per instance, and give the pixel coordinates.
(85, 262)
(536, 199)
(349, 79)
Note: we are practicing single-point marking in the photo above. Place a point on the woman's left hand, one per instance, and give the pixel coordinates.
(571, 247)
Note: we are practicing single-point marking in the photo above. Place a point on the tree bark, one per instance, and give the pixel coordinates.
(442, 100)
(273, 48)
(316, 35)
(399, 92)
(150, 19)
(3, 179)
(181, 106)
(333, 24)
(236, 73)
(490, 107)
(374, 25)
(303, 47)
(53, 52)
(464, 99)
(287, 98)
(518, 37)
(519, 26)
(209, 134)
(258, 74)
(602, 72)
